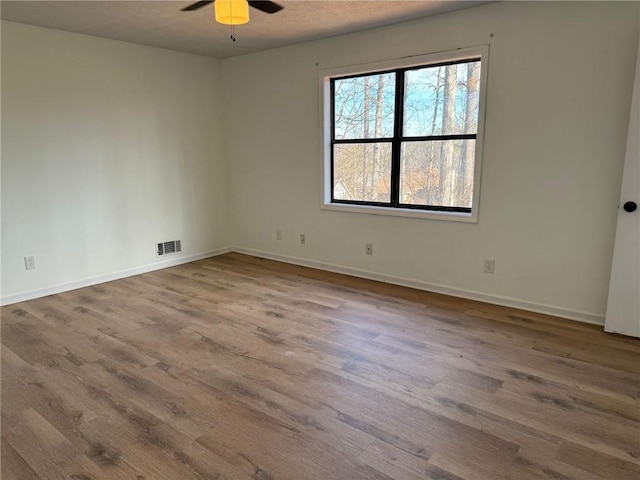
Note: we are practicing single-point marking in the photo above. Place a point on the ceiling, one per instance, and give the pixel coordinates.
(162, 24)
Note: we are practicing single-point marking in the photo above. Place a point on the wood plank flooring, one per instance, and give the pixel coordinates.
(236, 367)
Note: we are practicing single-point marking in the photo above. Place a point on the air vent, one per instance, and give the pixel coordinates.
(168, 248)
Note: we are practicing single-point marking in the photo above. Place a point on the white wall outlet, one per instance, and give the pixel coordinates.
(278, 234)
(303, 239)
(30, 262)
(369, 249)
(489, 265)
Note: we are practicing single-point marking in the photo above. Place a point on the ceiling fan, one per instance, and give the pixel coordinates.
(234, 12)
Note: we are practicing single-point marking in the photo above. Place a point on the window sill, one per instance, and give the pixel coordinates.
(403, 212)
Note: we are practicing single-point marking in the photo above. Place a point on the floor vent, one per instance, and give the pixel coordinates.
(168, 248)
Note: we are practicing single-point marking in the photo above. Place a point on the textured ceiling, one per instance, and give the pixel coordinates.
(162, 24)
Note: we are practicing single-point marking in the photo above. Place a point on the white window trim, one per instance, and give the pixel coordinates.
(325, 108)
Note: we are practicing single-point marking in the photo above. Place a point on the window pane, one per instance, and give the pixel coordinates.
(437, 173)
(364, 106)
(362, 172)
(442, 100)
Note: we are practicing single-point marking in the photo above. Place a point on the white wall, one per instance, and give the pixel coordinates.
(107, 148)
(559, 92)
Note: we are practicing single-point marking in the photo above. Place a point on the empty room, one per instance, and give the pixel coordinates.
(312, 240)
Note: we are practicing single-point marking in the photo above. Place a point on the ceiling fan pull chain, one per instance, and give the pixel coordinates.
(233, 27)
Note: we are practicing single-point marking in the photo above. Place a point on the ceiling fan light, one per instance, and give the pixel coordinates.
(232, 12)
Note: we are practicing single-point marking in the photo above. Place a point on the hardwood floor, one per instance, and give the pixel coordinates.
(241, 368)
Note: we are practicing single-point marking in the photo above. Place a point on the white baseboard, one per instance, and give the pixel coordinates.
(578, 315)
(87, 282)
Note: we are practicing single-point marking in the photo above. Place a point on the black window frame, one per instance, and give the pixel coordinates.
(398, 137)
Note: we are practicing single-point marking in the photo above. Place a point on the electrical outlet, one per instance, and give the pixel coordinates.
(303, 239)
(369, 249)
(489, 265)
(30, 262)
(278, 234)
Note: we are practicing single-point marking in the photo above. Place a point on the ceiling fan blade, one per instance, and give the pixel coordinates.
(196, 6)
(266, 7)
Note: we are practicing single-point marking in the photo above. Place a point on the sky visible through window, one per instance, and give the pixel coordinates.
(357, 100)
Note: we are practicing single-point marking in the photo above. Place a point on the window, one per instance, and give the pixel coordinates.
(405, 137)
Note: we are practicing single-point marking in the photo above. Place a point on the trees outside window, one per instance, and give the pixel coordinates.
(407, 137)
